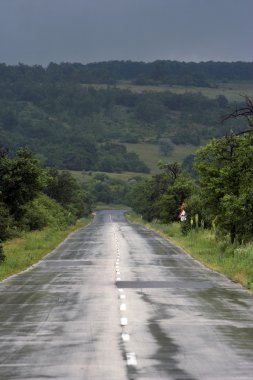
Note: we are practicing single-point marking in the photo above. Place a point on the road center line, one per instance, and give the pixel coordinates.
(131, 358)
(123, 321)
(125, 337)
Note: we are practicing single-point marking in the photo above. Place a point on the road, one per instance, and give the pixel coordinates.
(116, 301)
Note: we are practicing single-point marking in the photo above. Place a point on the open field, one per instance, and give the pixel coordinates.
(234, 91)
(106, 206)
(150, 154)
(125, 176)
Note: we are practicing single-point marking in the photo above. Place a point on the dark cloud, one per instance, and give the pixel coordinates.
(40, 31)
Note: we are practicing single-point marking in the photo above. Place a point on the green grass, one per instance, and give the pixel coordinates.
(236, 264)
(112, 206)
(24, 251)
(232, 90)
(150, 154)
(124, 176)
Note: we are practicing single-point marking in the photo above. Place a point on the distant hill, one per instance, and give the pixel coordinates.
(158, 72)
(83, 127)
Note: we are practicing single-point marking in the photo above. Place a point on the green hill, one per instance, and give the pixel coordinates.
(125, 118)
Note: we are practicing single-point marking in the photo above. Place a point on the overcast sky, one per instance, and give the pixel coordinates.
(40, 31)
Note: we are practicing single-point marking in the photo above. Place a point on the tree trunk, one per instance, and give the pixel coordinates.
(232, 233)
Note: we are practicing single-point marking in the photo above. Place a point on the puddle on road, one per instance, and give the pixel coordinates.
(167, 353)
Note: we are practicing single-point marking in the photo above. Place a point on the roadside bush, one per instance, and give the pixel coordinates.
(44, 211)
(6, 222)
(186, 227)
(2, 255)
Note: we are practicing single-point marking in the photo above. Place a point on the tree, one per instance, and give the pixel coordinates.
(160, 196)
(2, 254)
(166, 146)
(22, 178)
(245, 112)
(226, 178)
(65, 189)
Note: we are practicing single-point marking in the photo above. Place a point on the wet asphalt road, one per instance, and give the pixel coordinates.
(166, 317)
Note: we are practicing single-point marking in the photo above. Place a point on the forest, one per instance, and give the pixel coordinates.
(161, 71)
(69, 125)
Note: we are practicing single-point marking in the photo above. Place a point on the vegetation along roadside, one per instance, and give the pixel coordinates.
(216, 204)
(203, 245)
(32, 246)
(39, 207)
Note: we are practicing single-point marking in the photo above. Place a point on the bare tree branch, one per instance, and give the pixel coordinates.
(241, 112)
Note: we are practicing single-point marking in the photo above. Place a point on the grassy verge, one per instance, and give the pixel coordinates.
(31, 247)
(236, 264)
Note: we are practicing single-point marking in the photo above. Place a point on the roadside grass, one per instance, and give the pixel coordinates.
(234, 263)
(30, 247)
(232, 90)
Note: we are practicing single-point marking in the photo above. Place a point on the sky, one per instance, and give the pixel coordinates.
(43, 31)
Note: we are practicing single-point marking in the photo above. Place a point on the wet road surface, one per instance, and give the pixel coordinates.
(115, 302)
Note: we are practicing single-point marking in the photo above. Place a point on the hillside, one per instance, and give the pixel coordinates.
(113, 126)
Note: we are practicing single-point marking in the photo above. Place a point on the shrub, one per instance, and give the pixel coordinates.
(44, 211)
(2, 255)
(6, 222)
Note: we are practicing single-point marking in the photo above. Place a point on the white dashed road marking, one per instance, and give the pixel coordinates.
(123, 307)
(131, 358)
(123, 321)
(125, 337)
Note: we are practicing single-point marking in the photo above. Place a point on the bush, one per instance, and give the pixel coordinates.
(6, 222)
(2, 255)
(44, 211)
(186, 227)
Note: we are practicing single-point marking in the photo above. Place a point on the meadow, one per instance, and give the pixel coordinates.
(151, 155)
(234, 91)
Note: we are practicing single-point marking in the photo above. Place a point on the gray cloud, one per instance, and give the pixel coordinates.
(40, 31)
